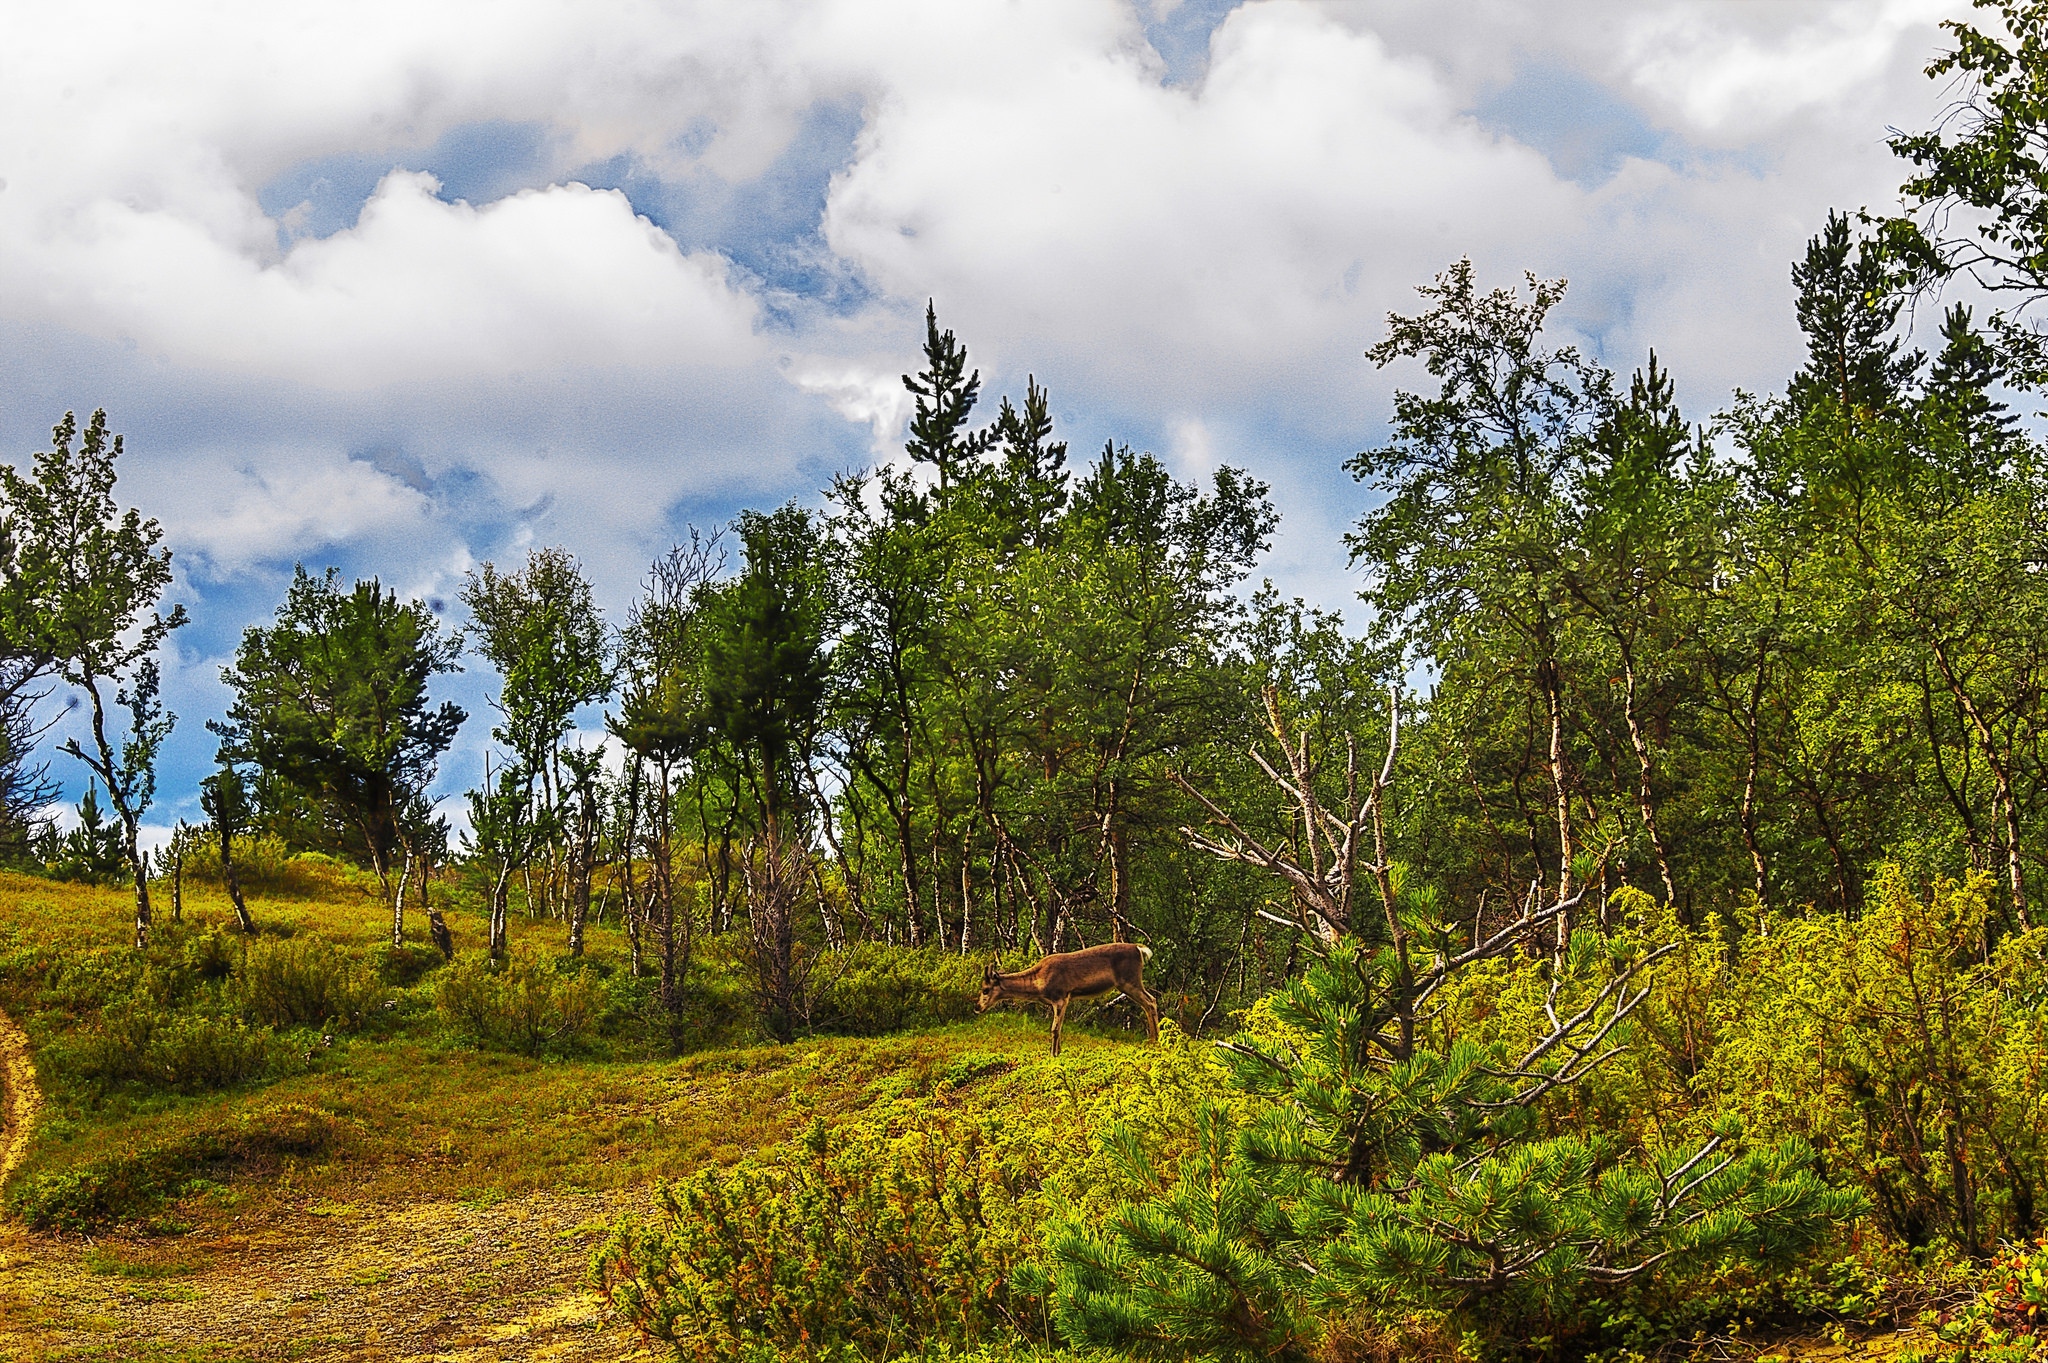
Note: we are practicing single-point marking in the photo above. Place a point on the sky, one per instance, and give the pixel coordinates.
(404, 288)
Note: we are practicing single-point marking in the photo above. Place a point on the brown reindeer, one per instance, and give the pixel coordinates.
(1060, 979)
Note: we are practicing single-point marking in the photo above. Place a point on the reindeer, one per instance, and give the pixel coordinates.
(1068, 975)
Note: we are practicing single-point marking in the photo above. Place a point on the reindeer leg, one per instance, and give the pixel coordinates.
(1151, 1007)
(1059, 1015)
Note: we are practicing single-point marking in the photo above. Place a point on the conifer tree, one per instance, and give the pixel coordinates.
(946, 393)
(1848, 308)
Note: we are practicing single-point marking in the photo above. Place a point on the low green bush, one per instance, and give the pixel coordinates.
(181, 1052)
(138, 1179)
(897, 1236)
(526, 1004)
(871, 988)
(405, 966)
(1996, 1312)
(305, 982)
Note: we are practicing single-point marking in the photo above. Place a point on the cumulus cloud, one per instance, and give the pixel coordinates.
(657, 310)
(420, 290)
(1202, 239)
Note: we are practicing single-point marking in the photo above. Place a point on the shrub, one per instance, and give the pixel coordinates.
(527, 1006)
(1399, 1176)
(2004, 1319)
(137, 1179)
(405, 966)
(305, 982)
(901, 1233)
(145, 1044)
(873, 988)
(1893, 1044)
(210, 955)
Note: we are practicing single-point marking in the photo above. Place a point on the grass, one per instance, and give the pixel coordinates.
(402, 1114)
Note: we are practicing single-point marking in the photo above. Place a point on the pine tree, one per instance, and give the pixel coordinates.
(946, 394)
(1848, 309)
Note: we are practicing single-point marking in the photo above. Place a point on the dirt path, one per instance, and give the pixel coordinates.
(450, 1282)
(443, 1281)
(18, 1084)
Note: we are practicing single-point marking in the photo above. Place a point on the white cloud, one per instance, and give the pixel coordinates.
(420, 290)
(859, 392)
(1737, 71)
(1200, 240)
(1197, 265)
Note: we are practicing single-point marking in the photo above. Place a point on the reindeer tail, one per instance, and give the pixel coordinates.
(1144, 952)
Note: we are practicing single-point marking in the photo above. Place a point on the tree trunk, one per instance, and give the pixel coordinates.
(437, 926)
(583, 859)
(1749, 778)
(1120, 884)
(234, 884)
(398, 904)
(2001, 776)
(1645, 800)
(177, 885)
(966, 896)
(141, 897)
(1555, 703)
(630, 844)
(501, 895)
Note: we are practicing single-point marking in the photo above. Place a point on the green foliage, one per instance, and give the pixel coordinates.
(1897, 1047)
(541, 629)
(1400, 1178)
(332, 699)
(305, 982)
(84, 581)
(137, 1179)
(526, 1004)
(876, 1239)
(143, 1043)
(872, 988)
(1985, 159)
(2005, 1320)
(93, 853)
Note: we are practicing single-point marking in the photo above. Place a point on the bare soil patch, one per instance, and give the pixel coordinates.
(441, 1280)
(21, 1096)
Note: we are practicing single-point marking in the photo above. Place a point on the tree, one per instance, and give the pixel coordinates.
(93, 852)
(226, 801)
(1977, 203)
(540, 627)
(1848, 307)
(332, 698)
(501, 834)
(1479, 480)
(661, 721)
(945, 394)
(89, 577)
(764, 689)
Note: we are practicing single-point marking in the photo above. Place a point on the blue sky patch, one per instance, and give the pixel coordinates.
(479, 162)
(1583, 128)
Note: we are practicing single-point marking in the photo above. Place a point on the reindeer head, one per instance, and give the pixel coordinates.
(991, 985)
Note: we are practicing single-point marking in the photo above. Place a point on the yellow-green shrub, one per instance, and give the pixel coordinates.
(142, 1043)
(874, 1240)
(305, 982)
(137, 1178)
(872, 988)
(1909, 1059)
(525, 1005)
